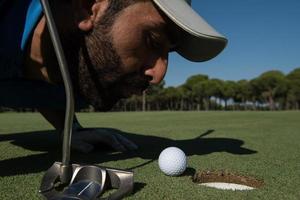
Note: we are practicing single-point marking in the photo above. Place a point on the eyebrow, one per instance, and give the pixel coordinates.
(170, 30)
(157, 27)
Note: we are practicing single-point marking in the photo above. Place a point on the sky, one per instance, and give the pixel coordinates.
(262, 35)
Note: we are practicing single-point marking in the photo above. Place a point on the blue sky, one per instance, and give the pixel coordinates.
(263, 35)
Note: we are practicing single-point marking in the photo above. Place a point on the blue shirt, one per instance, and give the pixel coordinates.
(18, 19)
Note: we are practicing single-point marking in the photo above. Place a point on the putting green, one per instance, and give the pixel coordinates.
(264, 145)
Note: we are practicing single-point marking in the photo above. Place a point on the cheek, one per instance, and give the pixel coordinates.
(130, 46)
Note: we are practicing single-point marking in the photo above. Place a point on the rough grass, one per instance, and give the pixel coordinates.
(260, 144)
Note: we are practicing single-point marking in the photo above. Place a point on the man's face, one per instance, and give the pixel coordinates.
(124, 57)
(139, 36)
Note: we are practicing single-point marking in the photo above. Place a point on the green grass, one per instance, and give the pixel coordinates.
(260, 144)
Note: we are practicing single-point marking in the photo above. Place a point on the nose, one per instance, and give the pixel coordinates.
(158, 70)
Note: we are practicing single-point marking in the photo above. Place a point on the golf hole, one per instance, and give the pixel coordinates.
(226, 181)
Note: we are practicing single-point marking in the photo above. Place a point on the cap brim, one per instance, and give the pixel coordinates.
(198, 41)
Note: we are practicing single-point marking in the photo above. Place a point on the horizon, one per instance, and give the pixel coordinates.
(264, 37)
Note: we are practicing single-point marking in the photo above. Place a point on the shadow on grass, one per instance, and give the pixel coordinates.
(189, 172)
(49, 144)
(46, 148)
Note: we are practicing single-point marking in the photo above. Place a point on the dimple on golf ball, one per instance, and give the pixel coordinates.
(172, 161)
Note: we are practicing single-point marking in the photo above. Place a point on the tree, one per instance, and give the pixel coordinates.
(208, 89)
(194, 85)
(272, 84)
(293, 94)
(242, 92)
(170, 95)
(184, 94)
(154, 95)
(216, 90)
(228, 91)
(255, 93)
(190, 82)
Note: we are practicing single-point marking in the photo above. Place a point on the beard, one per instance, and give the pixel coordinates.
(98, 73)
(96, 68)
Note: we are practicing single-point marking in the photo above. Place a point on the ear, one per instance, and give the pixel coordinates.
(89, 12)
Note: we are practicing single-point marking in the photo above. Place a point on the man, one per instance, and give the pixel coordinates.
(114, 49)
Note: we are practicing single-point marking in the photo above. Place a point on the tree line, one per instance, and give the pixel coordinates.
(272, 90)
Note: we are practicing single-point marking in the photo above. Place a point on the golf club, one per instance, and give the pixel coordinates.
(65, 181)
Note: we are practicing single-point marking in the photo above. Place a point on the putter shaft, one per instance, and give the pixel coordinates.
(69, 113)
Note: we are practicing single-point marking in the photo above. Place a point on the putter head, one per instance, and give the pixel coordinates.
(88, 182)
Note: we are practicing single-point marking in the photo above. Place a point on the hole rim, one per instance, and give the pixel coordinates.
(225, 176)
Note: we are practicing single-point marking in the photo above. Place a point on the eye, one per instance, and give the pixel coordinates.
(174, 38)
(174, 34)
(154, 41)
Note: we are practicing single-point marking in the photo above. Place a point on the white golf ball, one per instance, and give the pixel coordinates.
(172, 161)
